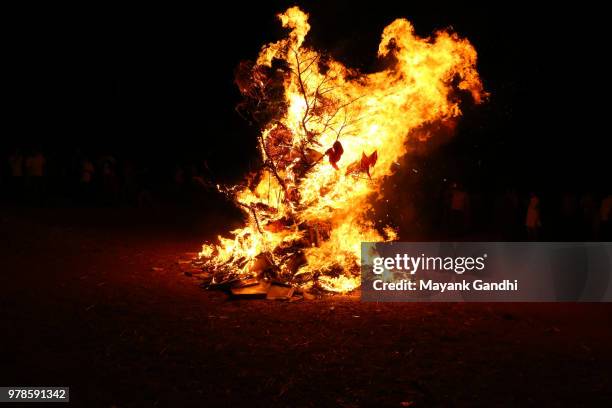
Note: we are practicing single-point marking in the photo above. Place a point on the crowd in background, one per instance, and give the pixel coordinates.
(33, 178)
(451, 211)
(510, 216)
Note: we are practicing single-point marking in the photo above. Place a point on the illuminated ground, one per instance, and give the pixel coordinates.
(82, 306)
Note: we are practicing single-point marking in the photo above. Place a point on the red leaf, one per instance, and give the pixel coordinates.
(334, 154)
(363, 165)
(368, 161)
(373, 158)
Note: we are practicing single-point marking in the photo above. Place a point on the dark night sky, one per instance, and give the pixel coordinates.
(156, 83)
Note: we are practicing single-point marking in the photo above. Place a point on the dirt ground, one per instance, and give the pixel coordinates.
(82, 306)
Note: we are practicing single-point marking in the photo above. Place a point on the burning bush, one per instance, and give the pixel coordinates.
(330, 134)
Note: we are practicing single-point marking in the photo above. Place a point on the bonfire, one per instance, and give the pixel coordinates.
(329, 136)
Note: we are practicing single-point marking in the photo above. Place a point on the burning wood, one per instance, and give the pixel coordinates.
(307, 216)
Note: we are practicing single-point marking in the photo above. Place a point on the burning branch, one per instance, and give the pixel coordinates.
(319, 109)
(269, 164)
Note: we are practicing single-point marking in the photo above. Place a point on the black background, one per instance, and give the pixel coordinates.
(156, 82)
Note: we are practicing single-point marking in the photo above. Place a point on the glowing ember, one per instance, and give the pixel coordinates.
(330, 135)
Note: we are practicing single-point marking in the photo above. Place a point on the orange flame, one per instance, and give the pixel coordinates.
(341, 134)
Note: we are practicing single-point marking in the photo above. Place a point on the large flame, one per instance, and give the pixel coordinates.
(338, 134)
